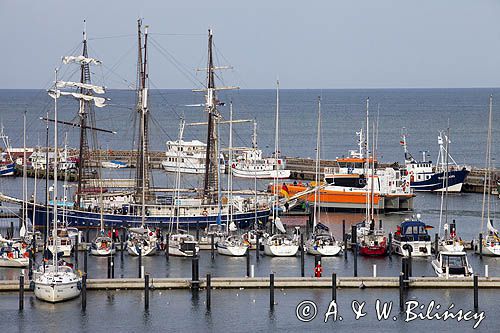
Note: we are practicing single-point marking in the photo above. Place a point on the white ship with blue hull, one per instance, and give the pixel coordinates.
(446, 175)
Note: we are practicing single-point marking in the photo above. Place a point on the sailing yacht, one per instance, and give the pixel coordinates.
(14, 253)
(102, 245)
(491, 240)
(321, 242)
(231, 245)
(450, 242)
(279, 244)
(57, 282)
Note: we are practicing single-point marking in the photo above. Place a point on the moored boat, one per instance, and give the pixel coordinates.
(452, 265)
(412, 237)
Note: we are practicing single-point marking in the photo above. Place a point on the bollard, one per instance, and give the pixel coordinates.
(480, 245)
(476, 293)
(302, 272)
(84, 292)
(167, 248)
(209, 291)
(390, 244)
(271, 291)
(21, 291)
(356, 260)
(334, 287)
(252, 271)
(248, 262)
(374, 270)
(146, 292)
(140, 261)
(212, 246)
(486, 271)
(257, 246)
(401, 293)
(109, 267)
(344, 239)
(436, 245)
(195, 278)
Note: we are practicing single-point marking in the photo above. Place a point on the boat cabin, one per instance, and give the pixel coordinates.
(412, 231)
(455, 263)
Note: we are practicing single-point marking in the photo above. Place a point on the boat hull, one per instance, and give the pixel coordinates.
(102, 252)
(147, 251)
(7, 170)
(456, 179)
(263, 174)
(14, 263)
(58, 292)
(325, 251)
(419, 248)
(233, 251)
(281, 250)
(373, 251)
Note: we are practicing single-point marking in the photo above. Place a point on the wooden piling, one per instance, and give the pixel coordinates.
(344, 239)
(209, 291)
(146, 291)
(481, 245)
(21, 291)
(257, 246)
(112, 266)
(140, 261)
(248, 262)
(476, 293)
(85, 259)
(75, 251)
(302, 272)
(334, 287)
(212, 246)
(167, 247)
(195, 277)
(109, 267)
(401, 293)
(390, 244)
(436, 245)
(271, 291)
(84, 292)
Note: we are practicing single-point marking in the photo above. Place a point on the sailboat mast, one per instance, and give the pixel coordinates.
(211, 181)
(276, 148)
(25, 182)
(367, 163)
(372, 191)
(144, 128)
(230, 171)
(486, 186)
(317, 167)
(55, 199)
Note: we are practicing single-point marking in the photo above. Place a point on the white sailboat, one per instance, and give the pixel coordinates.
(102, 245)
(321, 241)
(491, 240)
(279, 244)
(231, 245)
(57, 282)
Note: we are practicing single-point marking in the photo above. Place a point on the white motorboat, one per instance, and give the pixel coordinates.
(57, 284)
(141, 241)
(102, 246)
(251, 164)
(452, 265)
(114, 164)
(281, 245)
(232, 246)
(183, 244)
(412, 236)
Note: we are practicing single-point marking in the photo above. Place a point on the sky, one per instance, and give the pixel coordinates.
(306, 44)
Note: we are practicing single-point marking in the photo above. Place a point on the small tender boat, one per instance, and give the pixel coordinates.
(452, 264)
(232, 246)
(281, 245)
(412, 236)
(450, 242)
(141, 241)
(322, 242)
(183, 244)
(58, 283)
(114, 164)
(102, 246)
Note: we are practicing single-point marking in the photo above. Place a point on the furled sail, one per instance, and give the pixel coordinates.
(279, 225)
(491, 228)
(96, 89)
(98, 101)
(81, 60)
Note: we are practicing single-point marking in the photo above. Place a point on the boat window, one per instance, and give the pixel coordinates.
(455, 261)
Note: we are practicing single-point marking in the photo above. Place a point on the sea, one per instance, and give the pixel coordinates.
(421, 113)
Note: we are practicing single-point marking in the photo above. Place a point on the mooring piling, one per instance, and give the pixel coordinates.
(146, 291)
(21, 291)
(301, 248)
(271, 291)
(209, 291)
(476, 293)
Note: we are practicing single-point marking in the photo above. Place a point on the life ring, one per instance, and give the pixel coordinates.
(205, 213)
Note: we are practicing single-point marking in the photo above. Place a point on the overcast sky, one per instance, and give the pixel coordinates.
(307, 44)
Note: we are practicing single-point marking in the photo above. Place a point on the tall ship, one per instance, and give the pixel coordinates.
(7, 164)
(446, 175)
(345, 186)
(141, 204)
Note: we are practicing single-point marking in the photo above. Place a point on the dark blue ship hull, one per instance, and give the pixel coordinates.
(435, 183)
(76, 218)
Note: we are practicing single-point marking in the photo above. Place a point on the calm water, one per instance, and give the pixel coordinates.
(422, 112)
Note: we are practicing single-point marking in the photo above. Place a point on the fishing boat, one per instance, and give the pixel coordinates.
(491, 239)
(412, 237)
(424, 176)
(114, 164)
(321, 241)
(56, 283)
(7, 164)
(124, 208)
(452, 265)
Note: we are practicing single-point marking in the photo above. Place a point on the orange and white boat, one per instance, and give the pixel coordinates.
(346, 185)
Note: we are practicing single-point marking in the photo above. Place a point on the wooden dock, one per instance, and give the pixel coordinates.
(279, 282)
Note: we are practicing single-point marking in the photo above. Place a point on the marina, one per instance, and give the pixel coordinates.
(147, 186)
